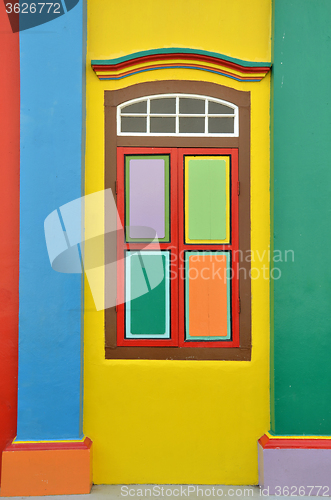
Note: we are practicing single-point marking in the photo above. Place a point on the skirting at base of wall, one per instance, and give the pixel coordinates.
(294, 466)
(53, 468)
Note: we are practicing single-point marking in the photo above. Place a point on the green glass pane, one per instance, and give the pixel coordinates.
(191, 106)
(194, 125)
(163, 124)
(220, 125)
(215, 108)
(138, 107)
(163, 106)
(133, 124)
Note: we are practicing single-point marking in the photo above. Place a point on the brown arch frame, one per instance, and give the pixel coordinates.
(242, 143)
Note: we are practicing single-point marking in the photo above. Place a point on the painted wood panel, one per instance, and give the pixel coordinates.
(147, 198)
(207, 199)
(207, 296)
(147, 295)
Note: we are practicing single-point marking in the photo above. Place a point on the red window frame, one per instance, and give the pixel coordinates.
(122, 246)
(177, 246)
(234, 244)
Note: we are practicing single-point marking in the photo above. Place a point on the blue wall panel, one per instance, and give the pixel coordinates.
(50, 351)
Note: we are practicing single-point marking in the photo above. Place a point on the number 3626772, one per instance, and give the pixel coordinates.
(33, 8)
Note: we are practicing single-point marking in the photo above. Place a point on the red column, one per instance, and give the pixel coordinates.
(9, 225)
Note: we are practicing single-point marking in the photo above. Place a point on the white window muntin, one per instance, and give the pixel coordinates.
(178, 115)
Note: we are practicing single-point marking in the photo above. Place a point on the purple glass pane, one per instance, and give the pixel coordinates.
(147, 198)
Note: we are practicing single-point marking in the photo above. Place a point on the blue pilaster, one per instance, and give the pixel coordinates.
(52, 66)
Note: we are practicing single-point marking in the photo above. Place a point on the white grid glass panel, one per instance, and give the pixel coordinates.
(213, 117)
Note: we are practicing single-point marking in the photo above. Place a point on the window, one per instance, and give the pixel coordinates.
(180, 296)
(181, 290)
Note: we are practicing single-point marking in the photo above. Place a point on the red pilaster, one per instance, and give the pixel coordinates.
(9, 225)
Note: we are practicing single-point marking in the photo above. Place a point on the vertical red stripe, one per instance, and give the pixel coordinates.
(9, 225)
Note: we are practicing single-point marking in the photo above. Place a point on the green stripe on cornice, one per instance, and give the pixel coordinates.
(143, 53)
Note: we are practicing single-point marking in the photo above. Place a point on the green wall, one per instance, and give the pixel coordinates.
(301, 213)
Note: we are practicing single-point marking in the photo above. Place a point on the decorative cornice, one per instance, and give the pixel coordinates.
(173, 58)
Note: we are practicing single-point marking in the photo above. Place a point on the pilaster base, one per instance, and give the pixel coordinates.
(52, 468)
(294, 466)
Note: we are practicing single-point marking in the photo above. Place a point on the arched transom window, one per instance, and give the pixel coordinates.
(178, 114)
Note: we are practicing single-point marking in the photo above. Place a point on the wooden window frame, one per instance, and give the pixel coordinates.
(242, 352)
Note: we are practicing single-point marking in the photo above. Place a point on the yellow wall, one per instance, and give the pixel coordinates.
(179, 421)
